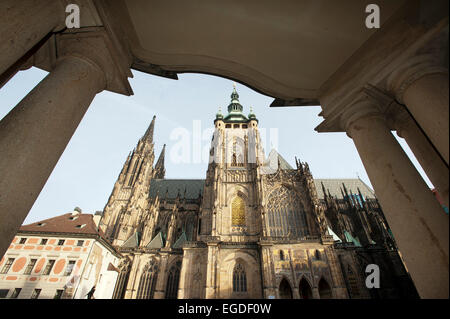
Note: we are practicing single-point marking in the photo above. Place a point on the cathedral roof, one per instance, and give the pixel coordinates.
(194, 187)
(274, 157)
(334, 185)
(171, 188)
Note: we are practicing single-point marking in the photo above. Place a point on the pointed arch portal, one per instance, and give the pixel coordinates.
(285, 290)
(305, 289)
(324, 289)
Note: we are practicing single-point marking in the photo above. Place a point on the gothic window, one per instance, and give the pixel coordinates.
(317, 254)
(172, 281)
(352, 283)
(121, 283)
(238, 212)
(239, 279)
(286, 216)
(199, 230)
(233, 160)
(281, 255)
(147, 282)
(237, 158)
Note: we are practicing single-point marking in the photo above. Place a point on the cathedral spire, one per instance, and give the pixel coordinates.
(160, 171)
(235, 106)
(149, 133)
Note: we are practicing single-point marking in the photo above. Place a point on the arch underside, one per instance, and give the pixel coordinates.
(288, 52)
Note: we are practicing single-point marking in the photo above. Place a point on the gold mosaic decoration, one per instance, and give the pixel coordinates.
(238, 212)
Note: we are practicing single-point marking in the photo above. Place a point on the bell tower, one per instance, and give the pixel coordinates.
(230, 196)
(230, 208)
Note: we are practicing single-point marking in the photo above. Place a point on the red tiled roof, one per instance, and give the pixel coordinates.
(67, 223)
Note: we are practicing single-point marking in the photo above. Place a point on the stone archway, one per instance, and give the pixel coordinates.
(324, 289)
(304, 289)
(285, 290)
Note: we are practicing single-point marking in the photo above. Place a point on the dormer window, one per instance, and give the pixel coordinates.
(80, 226)
(73, 217)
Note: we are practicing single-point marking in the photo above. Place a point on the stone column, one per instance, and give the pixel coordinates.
(23, 24)
(315, 293)
(417, 220)
(131, 289)
(160, 289)
(35, 133)
(267, 269)
(339, 288)
(429, 159)
(211, 274)
(186, 273)
(422, 86)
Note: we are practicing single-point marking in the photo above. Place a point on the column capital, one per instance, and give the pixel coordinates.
(399, 118)
(94, 45)
(371, 102)
(410, 71)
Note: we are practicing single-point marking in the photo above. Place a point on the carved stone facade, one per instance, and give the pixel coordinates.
(254, 228)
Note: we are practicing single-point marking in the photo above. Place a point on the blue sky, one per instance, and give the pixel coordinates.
(90, 164)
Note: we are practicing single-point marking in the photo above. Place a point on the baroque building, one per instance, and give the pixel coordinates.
(255, 227)
(62, 257)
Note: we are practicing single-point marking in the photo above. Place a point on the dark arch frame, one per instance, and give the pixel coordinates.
(173, 280)
(285, 289)
(304, 289)
(325, 291)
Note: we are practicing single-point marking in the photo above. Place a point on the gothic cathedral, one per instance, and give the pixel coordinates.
(254, 228)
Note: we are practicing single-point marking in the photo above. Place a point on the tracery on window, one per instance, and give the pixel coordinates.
(173, 281)
(148, 280)
(286, 216)
(239, 278)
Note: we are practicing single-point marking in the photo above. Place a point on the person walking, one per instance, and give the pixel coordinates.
(90, 294)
